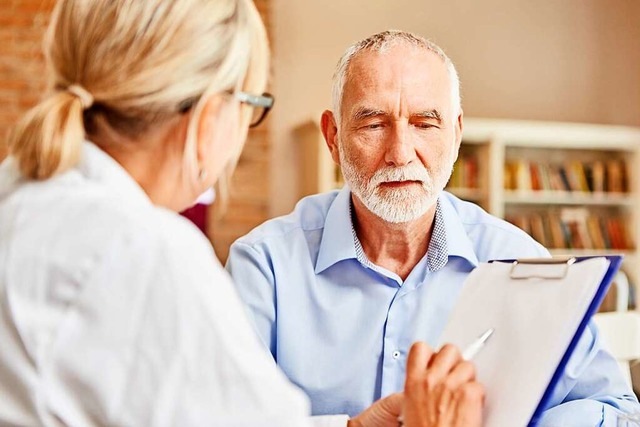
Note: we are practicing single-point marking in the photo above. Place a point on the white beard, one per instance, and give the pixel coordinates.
(395, 205)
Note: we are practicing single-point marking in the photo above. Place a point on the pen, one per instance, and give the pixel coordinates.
(468, 354)
(474, 348)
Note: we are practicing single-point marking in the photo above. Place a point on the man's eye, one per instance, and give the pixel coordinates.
(373, 126)
(422, 125)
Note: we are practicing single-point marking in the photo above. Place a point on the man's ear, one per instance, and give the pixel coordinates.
(330, 133)
(459, 127)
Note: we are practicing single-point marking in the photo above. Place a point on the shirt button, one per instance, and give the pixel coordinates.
(395, 354)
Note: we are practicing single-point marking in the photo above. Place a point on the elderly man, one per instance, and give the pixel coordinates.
(341, 287)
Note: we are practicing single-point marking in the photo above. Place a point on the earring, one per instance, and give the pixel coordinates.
(202, 175)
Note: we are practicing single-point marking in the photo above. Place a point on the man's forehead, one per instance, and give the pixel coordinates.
(410, 72)
(405, 60)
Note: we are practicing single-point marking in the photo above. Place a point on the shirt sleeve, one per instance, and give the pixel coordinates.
(158, 337)
(255, 282)
(592, 391)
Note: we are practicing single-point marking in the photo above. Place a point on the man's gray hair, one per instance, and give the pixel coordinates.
(379, 43)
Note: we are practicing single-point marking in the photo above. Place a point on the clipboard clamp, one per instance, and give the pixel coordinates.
(541, 268)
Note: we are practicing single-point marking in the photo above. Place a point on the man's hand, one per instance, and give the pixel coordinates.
(440, 389)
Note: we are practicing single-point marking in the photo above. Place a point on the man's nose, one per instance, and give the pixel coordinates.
(400, 151)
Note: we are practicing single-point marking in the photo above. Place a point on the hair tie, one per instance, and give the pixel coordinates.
(86, 99)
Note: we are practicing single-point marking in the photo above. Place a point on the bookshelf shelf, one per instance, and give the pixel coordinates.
(526, 197)
(573, 187)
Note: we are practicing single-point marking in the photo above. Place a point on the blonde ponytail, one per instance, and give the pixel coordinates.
(48, 139)
(142, 61)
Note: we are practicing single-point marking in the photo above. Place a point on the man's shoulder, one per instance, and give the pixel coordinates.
(309, 214)
(471, 214)
(491, 236)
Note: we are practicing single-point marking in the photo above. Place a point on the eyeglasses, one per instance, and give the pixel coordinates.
(260, 105)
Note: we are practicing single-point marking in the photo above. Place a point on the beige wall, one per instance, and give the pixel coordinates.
(568, 60)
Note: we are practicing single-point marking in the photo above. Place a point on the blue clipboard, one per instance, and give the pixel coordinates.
(614, 265)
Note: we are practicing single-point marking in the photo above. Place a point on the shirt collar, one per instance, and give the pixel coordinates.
(458, 242)
(337, 239)
(97, 166)
(437, 253)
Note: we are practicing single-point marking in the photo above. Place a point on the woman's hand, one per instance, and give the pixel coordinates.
(383, 413)
(440, 389)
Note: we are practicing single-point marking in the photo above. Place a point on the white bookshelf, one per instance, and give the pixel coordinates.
(496, 142)
(493, 142)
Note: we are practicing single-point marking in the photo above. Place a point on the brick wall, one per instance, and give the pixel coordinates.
(22, 26)
(249, 201)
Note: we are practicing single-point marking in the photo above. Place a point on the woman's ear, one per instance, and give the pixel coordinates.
(219, 136)
(208, 126)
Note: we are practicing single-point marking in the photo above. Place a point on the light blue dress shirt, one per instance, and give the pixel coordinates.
(340, 327)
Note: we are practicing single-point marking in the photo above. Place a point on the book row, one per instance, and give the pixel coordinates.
(599, 176)
(465, 172)
(574, 228)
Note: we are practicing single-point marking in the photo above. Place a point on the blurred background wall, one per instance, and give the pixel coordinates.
(570, 60)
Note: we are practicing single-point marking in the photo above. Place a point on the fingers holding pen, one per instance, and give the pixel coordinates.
(444, 375)
(463, 372)
(428, 370)
(468, 403)
(443, 362)
(419, 356)
(441, 389)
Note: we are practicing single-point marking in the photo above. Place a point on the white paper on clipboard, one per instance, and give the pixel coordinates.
(535, 320)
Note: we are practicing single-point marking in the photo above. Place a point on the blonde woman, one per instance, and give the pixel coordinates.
(113, 309)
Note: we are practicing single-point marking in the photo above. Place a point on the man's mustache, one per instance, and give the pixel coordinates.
(399, 174)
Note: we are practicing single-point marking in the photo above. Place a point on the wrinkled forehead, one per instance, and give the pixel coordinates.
(398, 79)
